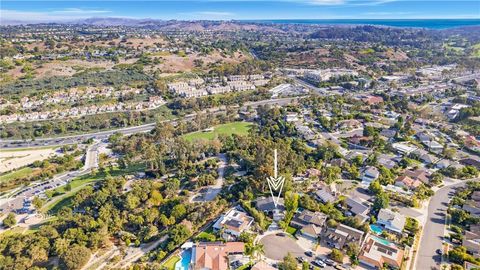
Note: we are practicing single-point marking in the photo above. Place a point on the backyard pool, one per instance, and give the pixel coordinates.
(376, 229)
(382, 241)
(185, 261)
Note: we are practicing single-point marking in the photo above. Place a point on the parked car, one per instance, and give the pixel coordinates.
(319, 263)
(300, 259)
(329, 262)
(439, 252)
(309, 253)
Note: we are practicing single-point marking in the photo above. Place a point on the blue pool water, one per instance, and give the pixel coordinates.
(185, 261)
(376, 229)
(382, 241)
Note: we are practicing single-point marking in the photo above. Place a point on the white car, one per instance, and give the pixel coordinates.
(319, 263)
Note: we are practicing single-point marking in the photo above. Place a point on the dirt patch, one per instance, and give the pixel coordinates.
(10, 160)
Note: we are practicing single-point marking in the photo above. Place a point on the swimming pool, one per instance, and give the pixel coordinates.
(185, 261)
(382, 241)
(376, 229)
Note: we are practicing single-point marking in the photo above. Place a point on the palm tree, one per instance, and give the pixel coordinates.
(256, 251)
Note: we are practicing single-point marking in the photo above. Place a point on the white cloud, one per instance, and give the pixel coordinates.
(47, 16)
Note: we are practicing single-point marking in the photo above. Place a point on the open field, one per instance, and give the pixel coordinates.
(240, 128)
(10, 160)
(16, 174)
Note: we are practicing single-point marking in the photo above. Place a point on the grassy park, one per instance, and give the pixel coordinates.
(240, 128)
(16, 174)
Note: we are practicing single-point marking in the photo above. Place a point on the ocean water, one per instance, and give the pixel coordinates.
(409, 23)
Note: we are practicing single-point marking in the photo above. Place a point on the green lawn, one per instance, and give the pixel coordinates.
(291, 230)
(205, 236)
(170, 263)
(16, 174)
(240, 128)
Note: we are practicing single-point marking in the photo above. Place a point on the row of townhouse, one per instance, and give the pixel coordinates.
(74, 95)
(198, 87)
(327, 74)
(154, 102)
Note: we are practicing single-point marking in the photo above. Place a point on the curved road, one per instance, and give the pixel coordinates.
(433, 232)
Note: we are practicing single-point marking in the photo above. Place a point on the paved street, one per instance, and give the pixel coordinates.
(433, 231)
(16, 202)
(126, 131)
(276, 247)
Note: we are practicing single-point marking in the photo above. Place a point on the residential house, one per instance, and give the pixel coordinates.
(349, 124)
(291, 117)
(214, 256)
(387, 161)
(267, 205)
(354, 154)
(471, 240)
(233, 223)
(357, 207)
(388, 133)
(442, 164)
(342, 235)
(470, 162)
(472, 207)
(419, 174)
(311, 224)
(407, 182)
(424, 156)
(404, 148)
(339, 162)
(312, 172)
(262, 265)
(376, 252)
(324, 195)
(372, 100)
(472, 144)
(391, 221)
(369, 175)
(311, 231)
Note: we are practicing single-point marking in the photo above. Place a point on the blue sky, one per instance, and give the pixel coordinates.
(240, 9)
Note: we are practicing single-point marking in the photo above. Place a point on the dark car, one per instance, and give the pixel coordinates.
(309, 253)
(300, 259)
(439, 252)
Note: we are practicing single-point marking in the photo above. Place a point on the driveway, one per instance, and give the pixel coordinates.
(213, 190)
(277, 247)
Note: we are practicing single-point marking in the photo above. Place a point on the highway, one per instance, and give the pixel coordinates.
(27, 193)
(126, 131)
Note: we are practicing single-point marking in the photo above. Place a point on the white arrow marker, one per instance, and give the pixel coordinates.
(275, 183)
